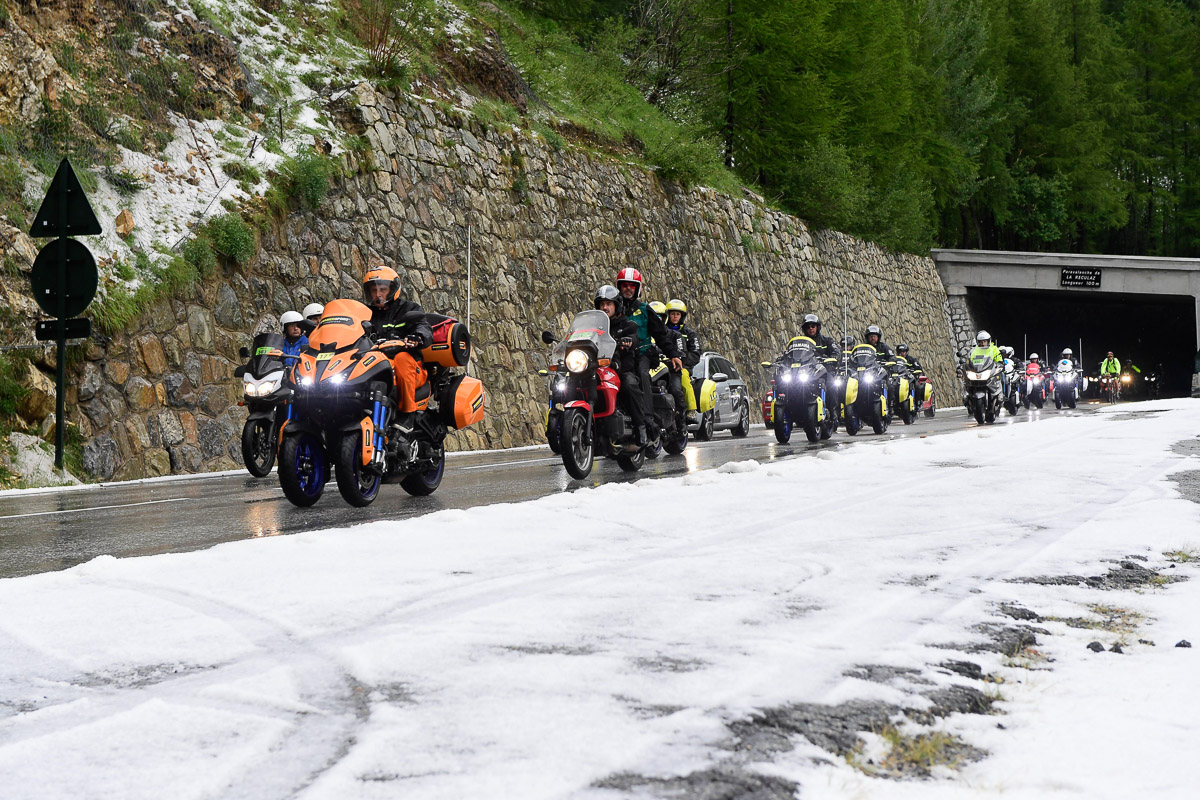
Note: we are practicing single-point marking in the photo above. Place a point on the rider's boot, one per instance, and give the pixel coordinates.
(639, 432)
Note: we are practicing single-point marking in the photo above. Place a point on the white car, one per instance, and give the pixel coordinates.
(732, 408)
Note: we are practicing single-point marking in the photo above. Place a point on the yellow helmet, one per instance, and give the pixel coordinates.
(680, 306)
(659, 308)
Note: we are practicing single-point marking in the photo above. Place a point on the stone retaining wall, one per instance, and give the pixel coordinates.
(546, 227)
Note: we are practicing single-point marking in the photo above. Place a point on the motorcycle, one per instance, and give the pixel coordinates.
(800, 392)
(343, 413)
(900, 391)
(1013, 398)
(866, 396)
(556, 387)
(265, 392)
(1066, 390)
(1033, 387)
(591, 419)
(982, 393)
(671, 421)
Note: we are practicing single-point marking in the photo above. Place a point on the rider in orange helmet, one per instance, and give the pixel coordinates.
(402, 322)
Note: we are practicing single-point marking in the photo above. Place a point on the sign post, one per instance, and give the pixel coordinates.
(64, 277)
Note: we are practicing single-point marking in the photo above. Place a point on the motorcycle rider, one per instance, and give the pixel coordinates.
(624, 361)
(651, 332)
(811, 327)
(401, 327)
(984, 346)
(911, 360)
(292, 333)
(874, 337)
(688, 341)
(313, 311)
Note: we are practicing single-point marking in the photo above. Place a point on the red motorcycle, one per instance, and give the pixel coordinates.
(1033, 388)
(591, 420)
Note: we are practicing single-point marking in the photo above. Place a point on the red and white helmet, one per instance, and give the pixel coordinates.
(630, 275)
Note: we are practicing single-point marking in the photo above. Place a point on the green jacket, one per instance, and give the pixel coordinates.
(1110, 366)
(990, 350)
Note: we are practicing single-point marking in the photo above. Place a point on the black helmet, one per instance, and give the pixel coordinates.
(607, 292)
(873, 329)
(848, 342)
(902, 348)
(811, 319)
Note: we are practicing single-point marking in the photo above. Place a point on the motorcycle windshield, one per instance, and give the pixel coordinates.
(801, 350)
(340, 325)
(591, 327)
(982, 362)
(1066, 366)
(863, 357)
(265, 356)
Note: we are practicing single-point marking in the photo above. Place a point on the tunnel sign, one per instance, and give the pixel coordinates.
(1080, 278)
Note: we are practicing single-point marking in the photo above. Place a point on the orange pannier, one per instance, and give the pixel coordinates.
(451, 345)
(461, 402)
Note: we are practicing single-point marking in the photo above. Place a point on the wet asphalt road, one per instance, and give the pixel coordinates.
(53, 530)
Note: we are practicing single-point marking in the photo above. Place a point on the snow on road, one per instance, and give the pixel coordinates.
(600, 643)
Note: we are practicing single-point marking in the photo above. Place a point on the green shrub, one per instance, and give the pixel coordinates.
(305, 178)
(66, 58)
(11, 390)
(95, 116)
(125, 182)
(198, 252)
(231, 238)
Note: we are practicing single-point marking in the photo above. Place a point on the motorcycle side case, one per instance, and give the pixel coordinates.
(451, 346)
(461, 402)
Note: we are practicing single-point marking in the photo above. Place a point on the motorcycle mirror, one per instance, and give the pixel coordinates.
(543, 372)
(367, 326)
(239, 371)
(547, 337)
(766, 364)
(244, 351)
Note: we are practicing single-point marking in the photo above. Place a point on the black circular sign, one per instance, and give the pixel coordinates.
(79, 286)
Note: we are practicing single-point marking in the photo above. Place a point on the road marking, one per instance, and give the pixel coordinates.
(503, 464)
(93, 508)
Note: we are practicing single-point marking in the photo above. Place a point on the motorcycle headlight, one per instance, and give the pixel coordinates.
(837, 381)
(974, 376)
(868, 379)
(785, 377)
(803, 378)
(577, 361)
(249, 387)
(1125, 379)
(306, 381)
(338, 379)
(267, 387)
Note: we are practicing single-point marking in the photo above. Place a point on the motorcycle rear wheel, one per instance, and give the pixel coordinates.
(427, 482)
(258, 446)
(929, 412)
(577, 456)
(632, 462)
(357, 486)
(302, 469)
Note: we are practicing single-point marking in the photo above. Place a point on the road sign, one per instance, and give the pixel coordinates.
(78, 328)
(1085, 278)
(78, 281)
(65, 211)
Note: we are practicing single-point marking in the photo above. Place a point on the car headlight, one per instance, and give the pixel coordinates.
(577, 361)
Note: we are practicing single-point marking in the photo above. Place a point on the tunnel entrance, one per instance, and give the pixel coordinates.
(1146, 329)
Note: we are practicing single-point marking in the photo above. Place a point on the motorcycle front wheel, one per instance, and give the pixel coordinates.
(302, 468)
(851, 421)
(977, 412)
(258, 446)
(578, 455)
(357, 486)
(783, 425)
(632, 462)
(809, 423)
(879, 420)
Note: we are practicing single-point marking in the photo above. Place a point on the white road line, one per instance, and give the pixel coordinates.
(93, 508)
(503, 464)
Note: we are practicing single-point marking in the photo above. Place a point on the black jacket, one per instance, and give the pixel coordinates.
(689, 344)
(400, 319)
(825, 346)
(624, 360)
(885, 352)
(913, 364)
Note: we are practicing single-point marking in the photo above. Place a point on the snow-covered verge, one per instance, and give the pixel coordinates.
(623, 640)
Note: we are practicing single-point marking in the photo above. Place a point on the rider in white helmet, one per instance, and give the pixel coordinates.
(313, 311)
(296, 340)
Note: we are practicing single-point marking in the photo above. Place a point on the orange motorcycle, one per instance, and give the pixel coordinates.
(343, 410)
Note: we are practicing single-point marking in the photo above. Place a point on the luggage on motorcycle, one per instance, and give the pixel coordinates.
(460, 402)
(451, 345)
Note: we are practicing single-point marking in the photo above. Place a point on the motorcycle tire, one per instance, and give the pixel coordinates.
(852, 423)
(427, 482)
(929, 412)
(554, 437)
(1039, 401)
(828, 425)
(989, 416)
(577, 456)
(809, 424)
(907, 415)
(258, 446)
(977, 412)
(783, 426)
(705, 432)
(632, 462)
(302, 469)
(1025, 402)
(357, 486)
(1070, 402)
(879, 422)
(742, 429)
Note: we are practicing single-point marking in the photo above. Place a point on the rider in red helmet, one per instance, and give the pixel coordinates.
(651, 332)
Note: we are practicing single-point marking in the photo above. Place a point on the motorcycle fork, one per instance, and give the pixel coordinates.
(379, 418)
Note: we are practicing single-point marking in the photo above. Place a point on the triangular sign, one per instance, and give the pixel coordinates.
(65, 211)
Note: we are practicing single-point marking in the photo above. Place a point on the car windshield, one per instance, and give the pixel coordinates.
(593, 327)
